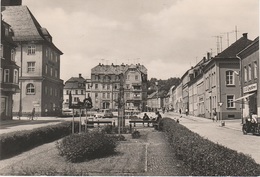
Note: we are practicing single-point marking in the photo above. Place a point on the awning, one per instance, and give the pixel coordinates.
(246, 96)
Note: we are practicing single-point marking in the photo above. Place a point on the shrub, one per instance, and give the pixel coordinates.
(205, 157)
(136, 134)
(79, 147)
(17, 142)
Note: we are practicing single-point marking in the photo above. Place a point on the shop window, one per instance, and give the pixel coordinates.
(30, 89)
(230, 101)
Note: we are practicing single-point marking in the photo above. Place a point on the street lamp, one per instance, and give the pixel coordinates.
(157, 88)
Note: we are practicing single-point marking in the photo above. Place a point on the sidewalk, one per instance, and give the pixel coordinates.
(234, 124)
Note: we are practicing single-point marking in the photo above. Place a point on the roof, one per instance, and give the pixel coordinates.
(116, 69)
(25, 26)
(75, 82)
(235, 48)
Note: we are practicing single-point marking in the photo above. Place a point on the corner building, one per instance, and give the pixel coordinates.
(105, 84)
(39, 62)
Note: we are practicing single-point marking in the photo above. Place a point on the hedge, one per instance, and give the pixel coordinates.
(204, 157)
(90, 145)
(19, 141)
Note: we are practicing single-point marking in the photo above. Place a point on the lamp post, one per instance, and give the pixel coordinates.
(157, 89)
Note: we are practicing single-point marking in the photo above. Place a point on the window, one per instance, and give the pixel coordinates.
(6, 75)
(82, 92)
(104, 86)
(30, 67)
(46, 69)
(31, 49)
(13, 55)
(127, 95)
(230, 78)
(245, 73)
(104, 95)
(67, 92)
(1, 74)
(249, 72)
(76, 92)
(96, 78)
(255, 69)
(136, 77)
(1, 50)
(51, 55)
(15, 76)
(108, 95)
(96, 95)
(76, 99)
(230, 101)
(108, 87)
(50, 91)
(30, 89)
(96, 86)
(55, 92)
(51, 71)
(46, 90)
(46, 52)
(56, 73)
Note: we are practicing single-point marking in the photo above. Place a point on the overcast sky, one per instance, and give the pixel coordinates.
(166, 36)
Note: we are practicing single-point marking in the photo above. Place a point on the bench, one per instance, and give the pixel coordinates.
(148, 122)
(91, 123)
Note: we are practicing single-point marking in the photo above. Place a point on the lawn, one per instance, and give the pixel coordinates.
(45, 160)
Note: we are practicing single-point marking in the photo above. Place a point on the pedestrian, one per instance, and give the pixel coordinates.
(180, 111)
(214, 115)
(186, 111)
(33, 113)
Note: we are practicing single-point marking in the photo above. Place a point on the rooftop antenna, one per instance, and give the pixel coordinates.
(236, 32)
(217, 43)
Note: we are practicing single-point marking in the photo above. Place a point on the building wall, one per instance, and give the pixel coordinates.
(43, 79)
(200, 97)
(226, 90)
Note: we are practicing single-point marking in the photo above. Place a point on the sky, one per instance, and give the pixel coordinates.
(166, 36)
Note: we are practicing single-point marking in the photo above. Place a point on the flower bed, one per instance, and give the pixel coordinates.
(205, 157)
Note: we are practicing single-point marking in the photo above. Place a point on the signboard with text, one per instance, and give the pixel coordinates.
(250, 88)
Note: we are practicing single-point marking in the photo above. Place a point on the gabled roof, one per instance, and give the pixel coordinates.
(235, 48)
(25, 26)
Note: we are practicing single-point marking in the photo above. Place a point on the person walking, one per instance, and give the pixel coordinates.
(33, 113)
(186, 111)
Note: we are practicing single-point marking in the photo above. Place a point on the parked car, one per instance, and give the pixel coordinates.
(104, 113)
(67, 112)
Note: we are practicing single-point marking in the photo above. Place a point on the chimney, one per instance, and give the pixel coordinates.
(208, 56)
(245, 35)
(80, 76)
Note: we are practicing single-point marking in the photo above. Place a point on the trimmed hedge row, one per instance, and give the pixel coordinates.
(19, 141)
(204, 157)
(94, 144)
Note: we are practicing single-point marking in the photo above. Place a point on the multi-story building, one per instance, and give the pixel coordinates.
(76, 86)
(250, 96)
(8, 71)
(39, 62)
(106, 81)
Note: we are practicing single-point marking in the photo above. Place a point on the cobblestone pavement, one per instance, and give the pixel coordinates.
(229, 135)
(160, 161)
